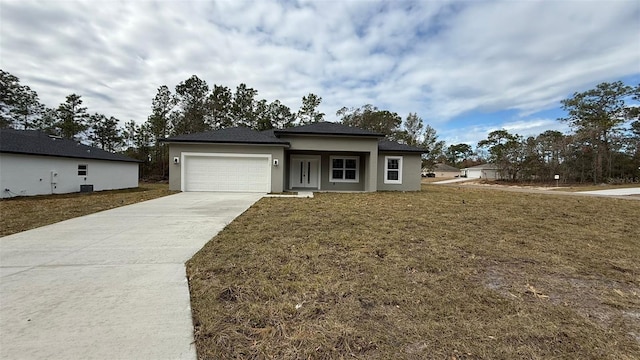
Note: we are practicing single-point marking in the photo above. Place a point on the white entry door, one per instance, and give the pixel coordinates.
(305, 172)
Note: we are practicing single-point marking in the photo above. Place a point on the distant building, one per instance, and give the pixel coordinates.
(443, 171)
(483, 171)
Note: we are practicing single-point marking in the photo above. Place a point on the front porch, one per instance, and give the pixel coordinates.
(329, 171)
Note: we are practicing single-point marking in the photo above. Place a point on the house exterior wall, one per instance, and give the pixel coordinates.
(491, 174)
(366, 148)
(325, 169)
(371, 163)
(411, 172)
(328, 185)
(276, 152)
(472, 173)
(26, 175)
(446, 174)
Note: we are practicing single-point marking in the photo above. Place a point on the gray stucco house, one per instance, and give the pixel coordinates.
(322, 156)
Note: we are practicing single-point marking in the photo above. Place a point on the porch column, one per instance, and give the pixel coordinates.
(371, 182)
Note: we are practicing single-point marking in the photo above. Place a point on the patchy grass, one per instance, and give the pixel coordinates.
(456, 273)
(28, 212)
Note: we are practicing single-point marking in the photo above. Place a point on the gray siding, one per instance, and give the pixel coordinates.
(276, 152)
(411, 169)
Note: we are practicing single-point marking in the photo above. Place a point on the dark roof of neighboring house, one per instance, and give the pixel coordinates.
(393, 146)
(326, 128)
(445, 167)
(235, 135)
(33, 142)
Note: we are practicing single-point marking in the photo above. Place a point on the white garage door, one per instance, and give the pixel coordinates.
(246, 173)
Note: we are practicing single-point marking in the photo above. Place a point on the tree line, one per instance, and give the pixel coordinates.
(193, 106)
(603, 145)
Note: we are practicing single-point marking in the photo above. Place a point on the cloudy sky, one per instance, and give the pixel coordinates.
(466, 67)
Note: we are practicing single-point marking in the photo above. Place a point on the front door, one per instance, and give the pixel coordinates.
(305, 172)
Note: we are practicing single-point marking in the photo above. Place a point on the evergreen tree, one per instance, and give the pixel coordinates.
(192, 106)
(281, 116)
(371, 118)
(220, 108)
(105, 132)
(72, 117)
(308, 112)
(243, 108)
(596, 115)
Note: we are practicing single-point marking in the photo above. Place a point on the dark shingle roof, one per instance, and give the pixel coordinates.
(393, 146)
(327, 128)
(237, 135)
(32, 142)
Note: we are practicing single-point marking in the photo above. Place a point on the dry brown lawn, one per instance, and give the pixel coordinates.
(24, 213)
(446, 273)
(428, 180)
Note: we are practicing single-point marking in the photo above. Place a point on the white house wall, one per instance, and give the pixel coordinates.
(491, 174)
(26, 175)
(473, 173)
(446, 174)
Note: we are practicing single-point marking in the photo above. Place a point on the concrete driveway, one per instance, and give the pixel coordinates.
(614, 192)
(452, 181)
(110, 285)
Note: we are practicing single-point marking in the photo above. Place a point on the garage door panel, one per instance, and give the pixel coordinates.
(219, 173)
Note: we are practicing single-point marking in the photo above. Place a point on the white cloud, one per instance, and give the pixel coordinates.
(440, 59)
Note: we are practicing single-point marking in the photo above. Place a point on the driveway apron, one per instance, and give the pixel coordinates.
(110, 285)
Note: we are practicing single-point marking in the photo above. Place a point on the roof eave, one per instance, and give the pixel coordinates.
(404, 151)
(270, 143)
(280, 132)
(68, 156)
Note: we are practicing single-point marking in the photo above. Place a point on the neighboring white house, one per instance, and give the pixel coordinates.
(445, 171)
(34, 163)
(484, 171)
